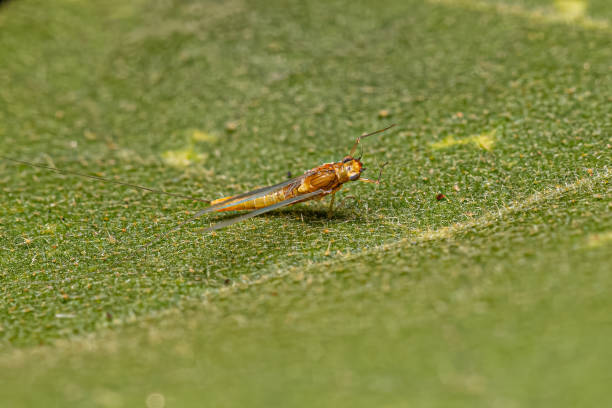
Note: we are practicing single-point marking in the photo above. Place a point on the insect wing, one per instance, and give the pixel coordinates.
(238, 199)
(255, 213)
(251, 195)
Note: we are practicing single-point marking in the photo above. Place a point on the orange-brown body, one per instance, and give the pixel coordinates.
(328, 177)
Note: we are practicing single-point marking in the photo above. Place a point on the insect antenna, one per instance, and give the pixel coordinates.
(360, 152)
(366, 135)
(91, 176)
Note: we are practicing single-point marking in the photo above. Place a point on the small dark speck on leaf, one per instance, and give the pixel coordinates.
(227, 281)
(440, 197)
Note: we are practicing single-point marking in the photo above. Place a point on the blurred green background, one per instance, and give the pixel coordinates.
(497, 295)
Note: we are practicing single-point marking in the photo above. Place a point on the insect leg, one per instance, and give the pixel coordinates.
(377, 181)
(365, 180)
(345, 199)
(331, 205)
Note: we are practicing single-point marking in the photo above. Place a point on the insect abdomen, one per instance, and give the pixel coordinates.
(257, 203)
(323, 178)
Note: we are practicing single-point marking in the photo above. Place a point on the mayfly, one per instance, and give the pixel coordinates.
(315, 183)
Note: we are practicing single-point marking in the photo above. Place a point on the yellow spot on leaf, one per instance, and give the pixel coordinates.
(571, 9)
(485, 140)
(600, 239)
(89, 135)
(183, 157)
(201, 136)
(482, 141)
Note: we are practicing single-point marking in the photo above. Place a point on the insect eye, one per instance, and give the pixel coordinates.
(347, 159)
(354, 177)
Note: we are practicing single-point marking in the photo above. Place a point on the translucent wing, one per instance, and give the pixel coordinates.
(249, 195)
(238, 199)
(255, 213)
